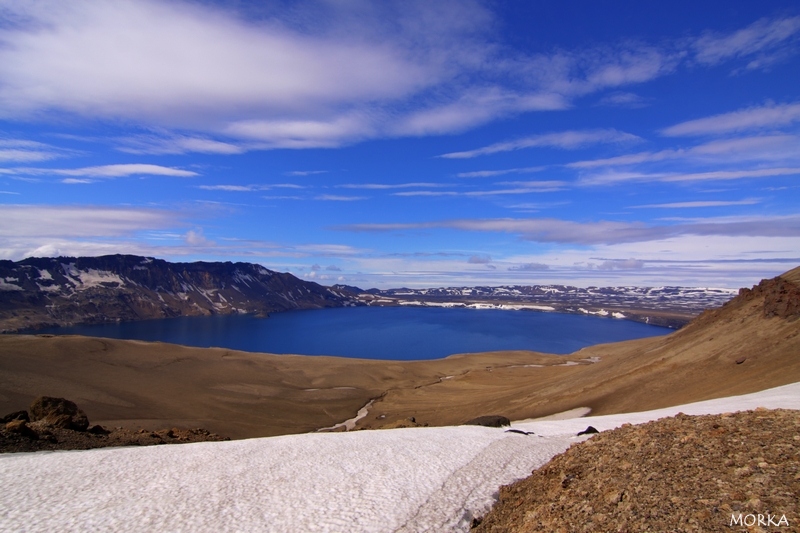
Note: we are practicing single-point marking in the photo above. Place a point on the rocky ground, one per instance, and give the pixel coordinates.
(58, 424)
(687, 473)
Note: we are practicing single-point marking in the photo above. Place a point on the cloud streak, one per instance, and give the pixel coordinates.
(549, 230)
(768, 116)
(567, 140)
(107, 171)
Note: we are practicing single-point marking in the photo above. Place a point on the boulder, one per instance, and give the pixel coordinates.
(21, 427)
(588, 431)
(18, 415)
(491, 421)
(58, 412)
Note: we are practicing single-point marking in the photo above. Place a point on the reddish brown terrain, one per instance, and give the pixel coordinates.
(686, 473)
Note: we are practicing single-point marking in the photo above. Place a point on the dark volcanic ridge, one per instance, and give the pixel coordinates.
(39, 292)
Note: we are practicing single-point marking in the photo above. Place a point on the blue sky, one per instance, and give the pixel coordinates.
(387, 144)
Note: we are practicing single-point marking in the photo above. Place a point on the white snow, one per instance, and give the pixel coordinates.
(7, 285)
(411, 480)
(93, 278)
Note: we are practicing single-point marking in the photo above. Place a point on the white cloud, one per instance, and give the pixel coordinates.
(196, 238)
(568, 140)
(493, 173)
(249, 188)
(107, 171)
(176, 144)
(699, 203)
(67, 221)
(775, 149)
(25, 151)
(338, 198)
(525, 187)
(529, 267)
(621, 264)
(768, 116)
(768, 39)
(482, 259)
(624, 99)
(386, 186)
(305, 172)
(316, 74)
(550, 230)
(477, 106)
(612, 177)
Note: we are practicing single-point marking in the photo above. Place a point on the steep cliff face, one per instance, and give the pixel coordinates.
(36, 292)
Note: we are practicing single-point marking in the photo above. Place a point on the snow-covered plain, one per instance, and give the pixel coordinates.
(410, 480)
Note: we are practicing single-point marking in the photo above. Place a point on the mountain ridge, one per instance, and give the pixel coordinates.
(38, 292)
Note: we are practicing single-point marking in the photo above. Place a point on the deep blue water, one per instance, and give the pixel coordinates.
(398, 333)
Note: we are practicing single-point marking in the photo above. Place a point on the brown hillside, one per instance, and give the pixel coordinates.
(750, 344)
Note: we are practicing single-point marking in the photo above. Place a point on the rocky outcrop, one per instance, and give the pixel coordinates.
(686, 473)
(38, 292)
(58, 424)
(59, 413)
(781, 297)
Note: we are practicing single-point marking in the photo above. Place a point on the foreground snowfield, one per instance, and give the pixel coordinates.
(418, 479)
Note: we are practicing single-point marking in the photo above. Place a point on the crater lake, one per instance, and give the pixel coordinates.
(393, 333)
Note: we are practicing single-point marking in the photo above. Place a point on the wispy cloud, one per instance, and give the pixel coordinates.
(612, 177)
(529, 267)
(176, 144)
(522, 187)
(624, 99)
(541, 185)
(549, 230)
(338, 198)
(387, 186)
(761, 44)
(699, 203)
(250, 188)
(25, 151)
(108, 171)
(305, 172)
(775, 149)
(567, 140)
(36, 221)
(494, 173)
(762, 117)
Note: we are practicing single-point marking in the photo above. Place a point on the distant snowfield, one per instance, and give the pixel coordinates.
(411, 480)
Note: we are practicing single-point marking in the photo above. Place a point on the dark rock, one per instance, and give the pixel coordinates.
(492, 421)
(58, 412)
(588, 431)
(98, 430)
(520, 432)
(18, 415)
(21, 427)
(146, 288)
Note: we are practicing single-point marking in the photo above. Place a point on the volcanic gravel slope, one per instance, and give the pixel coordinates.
(685, 473)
